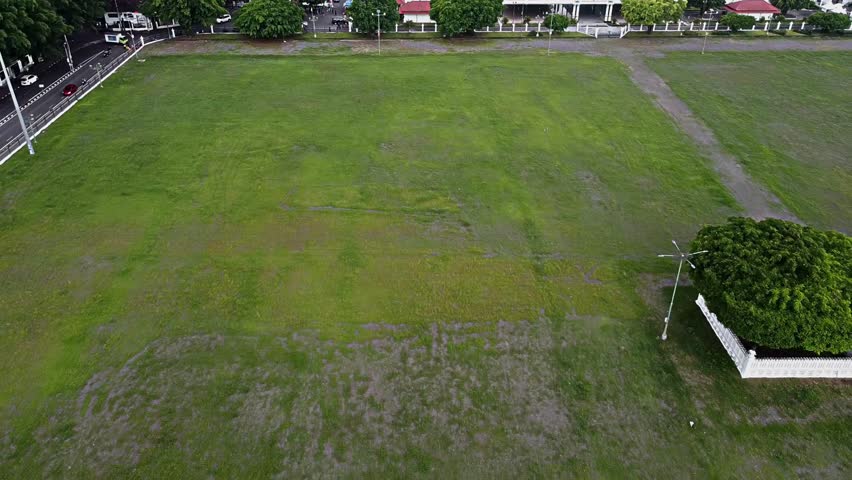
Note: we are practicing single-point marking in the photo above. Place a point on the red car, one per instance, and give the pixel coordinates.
(69, 90)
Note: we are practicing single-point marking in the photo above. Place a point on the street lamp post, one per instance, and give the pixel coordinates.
(379, 16)
(17, 107)
(550, 31)
(97, 68)
(68, 57)
(314, 21)
(682, 257)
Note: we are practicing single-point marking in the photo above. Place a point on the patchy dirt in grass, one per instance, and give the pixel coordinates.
(321, 408)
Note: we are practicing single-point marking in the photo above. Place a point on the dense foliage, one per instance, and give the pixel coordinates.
(704, 5)
(185, 12)
(270, 18)
(777, 283)
(830, 22)
(456, 17)
(558, 23)
(649, 12)
(35, 26)
(363, 14)
(786, 5)
(737, 22)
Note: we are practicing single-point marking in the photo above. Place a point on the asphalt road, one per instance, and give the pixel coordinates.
(85, 58)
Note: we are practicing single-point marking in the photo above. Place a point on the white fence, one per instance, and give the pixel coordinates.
(750, 366)
(714, 26)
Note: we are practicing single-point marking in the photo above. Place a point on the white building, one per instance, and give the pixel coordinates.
(416, 11)
(575, 8)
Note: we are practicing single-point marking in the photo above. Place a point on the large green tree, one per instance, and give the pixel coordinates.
(363, 15)
(29, 27)
(186, 12)
(270, 18)
(79, 13)
(777, 283)
(704, 5)
(457, 17)
(650, 12)
(830, 22)
(786, 5)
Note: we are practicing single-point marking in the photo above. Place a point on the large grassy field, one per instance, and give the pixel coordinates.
(238, 267)
(786, 116)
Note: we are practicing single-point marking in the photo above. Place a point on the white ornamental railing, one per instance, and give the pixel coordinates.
(750, 366)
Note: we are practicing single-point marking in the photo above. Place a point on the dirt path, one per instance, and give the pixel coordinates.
(757, 202)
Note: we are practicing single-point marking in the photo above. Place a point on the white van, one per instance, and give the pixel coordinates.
(119, 38)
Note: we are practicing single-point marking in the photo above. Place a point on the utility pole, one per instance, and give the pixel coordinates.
(17, 107)
(379, 16)
(683, 257)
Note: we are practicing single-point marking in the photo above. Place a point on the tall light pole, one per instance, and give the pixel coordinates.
(550, 31)
(17, 107)
(682, 257)
(68, 56)
(314, 21)
(379, 16)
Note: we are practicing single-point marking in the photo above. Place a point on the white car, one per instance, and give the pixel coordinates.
(28, 80)
(224, 18)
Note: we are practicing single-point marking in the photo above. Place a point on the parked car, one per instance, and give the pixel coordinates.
(224, 18)
(69, 90)
(28, 80)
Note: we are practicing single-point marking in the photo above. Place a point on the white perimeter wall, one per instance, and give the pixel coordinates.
(750, 366)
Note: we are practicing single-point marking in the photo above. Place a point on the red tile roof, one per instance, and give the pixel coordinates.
(752, 6)
(415, 8)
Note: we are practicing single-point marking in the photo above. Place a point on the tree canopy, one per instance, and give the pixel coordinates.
(830, 22)
(777, 283)
(649, 12)
(456, 17)
(29, 27)
(786, 5)
(737, 22)
(270, 18)
(704, 5)
(185, 12)
(79, 13)
(363, 14)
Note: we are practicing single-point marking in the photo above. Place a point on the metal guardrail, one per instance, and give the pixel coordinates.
(37, 124)
(46, 90)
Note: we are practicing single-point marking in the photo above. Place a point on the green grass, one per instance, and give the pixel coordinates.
(784, 115)
(402, 266)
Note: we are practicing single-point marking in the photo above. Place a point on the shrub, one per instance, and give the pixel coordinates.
(737, 22)
(830, 22)
(777, 283)
(558, 22)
